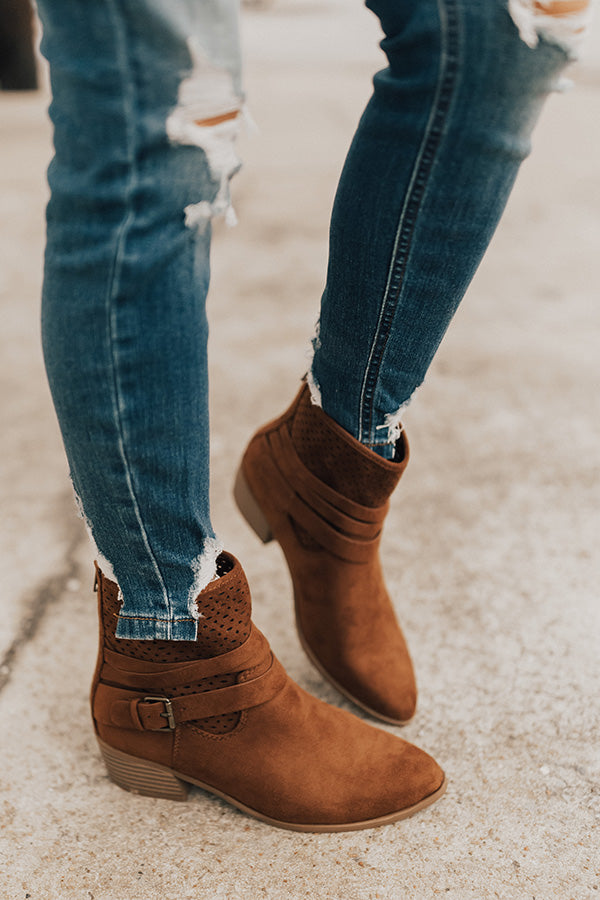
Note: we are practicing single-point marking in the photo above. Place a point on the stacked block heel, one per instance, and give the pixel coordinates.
(141, 776)
(250, 509)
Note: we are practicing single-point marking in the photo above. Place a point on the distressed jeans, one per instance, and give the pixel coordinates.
(147, 101)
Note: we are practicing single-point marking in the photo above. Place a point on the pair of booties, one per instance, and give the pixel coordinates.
(221, 713)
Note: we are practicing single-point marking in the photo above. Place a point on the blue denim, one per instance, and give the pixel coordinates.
(425, 182)
(123, 313)
(134, 184)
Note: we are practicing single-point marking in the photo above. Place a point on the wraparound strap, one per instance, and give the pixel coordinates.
(124, 708)
(352, 540)
(354, 550)
(302, 480)
(133, 673)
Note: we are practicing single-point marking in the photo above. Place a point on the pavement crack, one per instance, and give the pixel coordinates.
(47, 594)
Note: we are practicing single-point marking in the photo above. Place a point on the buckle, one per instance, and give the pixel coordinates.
(167, 714)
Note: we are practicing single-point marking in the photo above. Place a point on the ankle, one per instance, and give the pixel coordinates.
(366, 475)
(223, 625)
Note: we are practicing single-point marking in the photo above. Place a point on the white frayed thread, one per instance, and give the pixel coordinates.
(207, 93)
(316, 341)
(103, 563)
(313, 386)
(393, 421)
(564, 85)
(249, 121)
(198, 214)
(568, 31)
(204, 568)
(314, 389)
(106, 568)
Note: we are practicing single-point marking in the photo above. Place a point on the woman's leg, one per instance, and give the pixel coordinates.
(425, 182)
(146, 98)
(424, 185)
(144, 120)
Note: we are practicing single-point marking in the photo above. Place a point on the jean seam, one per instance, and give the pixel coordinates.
(172, 619)
(113, 285)
(448, 19)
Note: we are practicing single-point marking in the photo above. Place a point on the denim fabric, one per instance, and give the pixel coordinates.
(425, 182)
(123, 315)
(133, 187)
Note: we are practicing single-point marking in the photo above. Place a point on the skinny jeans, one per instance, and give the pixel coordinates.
(147, 100)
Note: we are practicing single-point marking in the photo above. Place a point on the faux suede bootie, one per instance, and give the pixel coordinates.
(221, 713)
(323, 495)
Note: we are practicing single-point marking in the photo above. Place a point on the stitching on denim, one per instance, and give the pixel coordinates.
(151, 618)
(448, 16)
(129, 115)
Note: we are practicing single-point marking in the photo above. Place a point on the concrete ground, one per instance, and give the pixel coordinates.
(489, 548)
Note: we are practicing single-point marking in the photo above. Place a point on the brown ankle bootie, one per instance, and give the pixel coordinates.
(308, 483)
(221, 713)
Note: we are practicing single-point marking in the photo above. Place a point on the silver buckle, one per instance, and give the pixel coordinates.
(167, 714)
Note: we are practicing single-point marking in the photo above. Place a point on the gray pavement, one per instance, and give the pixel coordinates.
(490, 547)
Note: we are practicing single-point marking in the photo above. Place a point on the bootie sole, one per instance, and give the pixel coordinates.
(149, 779)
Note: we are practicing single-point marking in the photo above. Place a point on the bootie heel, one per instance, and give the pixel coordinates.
(141, 776)
(250, 509)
